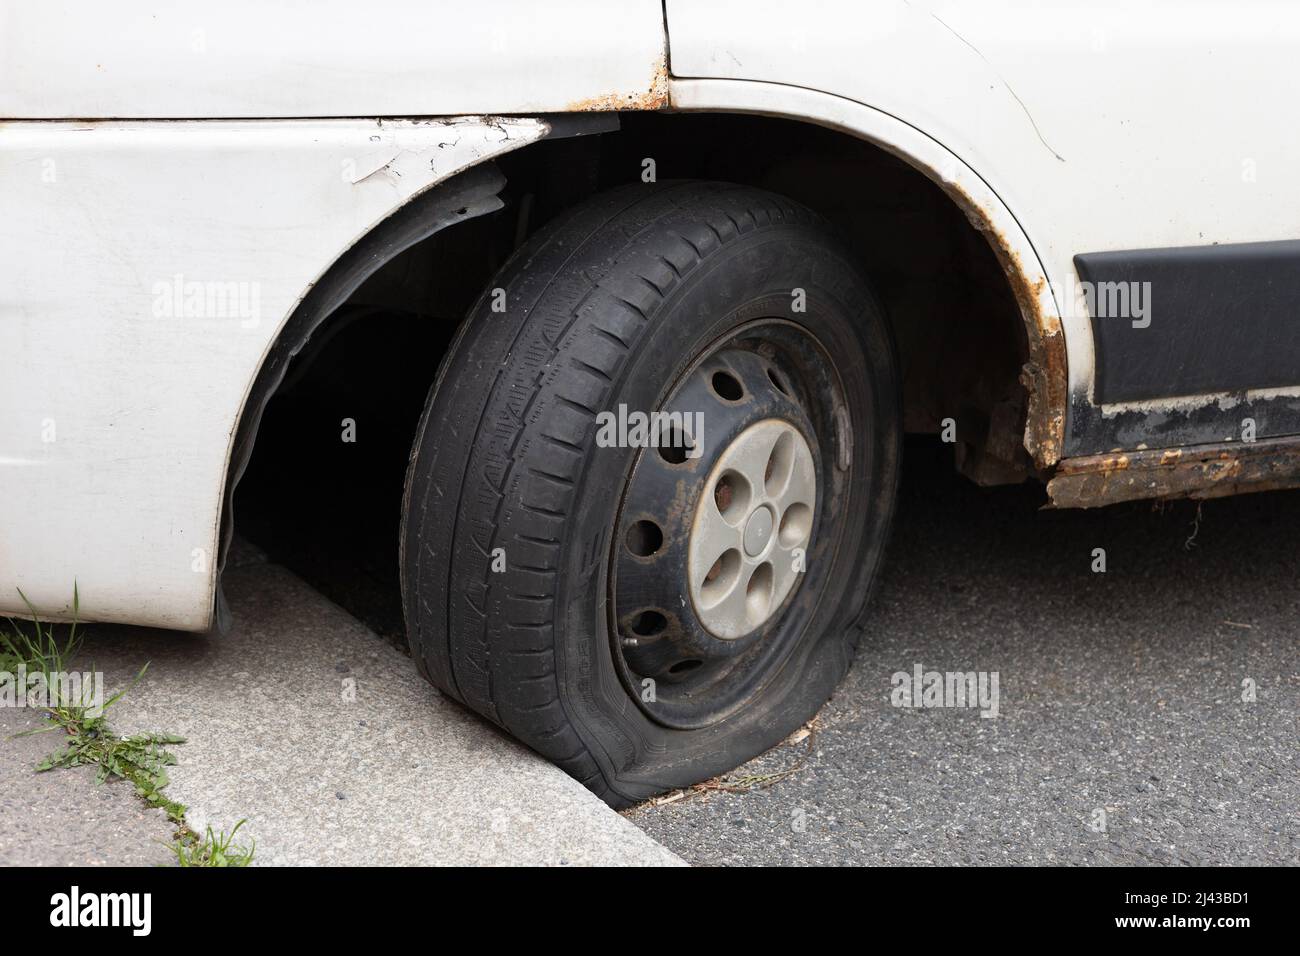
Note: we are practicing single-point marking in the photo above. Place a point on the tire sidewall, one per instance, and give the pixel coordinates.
(638, 756)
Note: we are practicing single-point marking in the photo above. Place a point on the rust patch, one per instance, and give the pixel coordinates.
(1044, 375)
(1202, 471)
(653, 97)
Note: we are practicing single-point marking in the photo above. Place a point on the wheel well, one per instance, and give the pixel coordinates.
(310, 496)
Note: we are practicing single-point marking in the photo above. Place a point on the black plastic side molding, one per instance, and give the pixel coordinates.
(1191, 321)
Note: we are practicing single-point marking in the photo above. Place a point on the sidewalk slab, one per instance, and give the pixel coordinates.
(64, 818)
(337, 752)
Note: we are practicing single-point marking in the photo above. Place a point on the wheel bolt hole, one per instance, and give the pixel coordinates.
(780, 464)
(758, 593)
(644, 538)
(648, 624)
(723, 494)
(731, 495)
(721, 577)
(727, 387)
(675, 447)
(796, 525)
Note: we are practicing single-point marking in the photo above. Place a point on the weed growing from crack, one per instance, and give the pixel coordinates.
(141, 759)
(213, 849)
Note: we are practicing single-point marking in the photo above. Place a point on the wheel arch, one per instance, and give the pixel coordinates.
(466, 195)
(1046, 375)
(1042, 376)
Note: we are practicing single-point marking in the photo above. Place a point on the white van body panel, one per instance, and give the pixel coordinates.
(141, 59)
(1093, 123)
(147, 269)
(238, 150)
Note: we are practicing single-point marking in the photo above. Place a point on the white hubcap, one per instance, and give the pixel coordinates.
(758, 531)
(751, 528)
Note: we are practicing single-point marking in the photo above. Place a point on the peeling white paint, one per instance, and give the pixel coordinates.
(1224, 401)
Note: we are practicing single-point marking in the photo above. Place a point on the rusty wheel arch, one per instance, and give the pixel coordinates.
(1045, 376)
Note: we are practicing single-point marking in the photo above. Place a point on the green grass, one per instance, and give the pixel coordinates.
(40, 652)
(213, 849)
(141, 759)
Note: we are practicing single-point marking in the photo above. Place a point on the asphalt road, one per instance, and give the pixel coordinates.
(1122, 736)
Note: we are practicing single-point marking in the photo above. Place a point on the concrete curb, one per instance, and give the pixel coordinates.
(338, 753)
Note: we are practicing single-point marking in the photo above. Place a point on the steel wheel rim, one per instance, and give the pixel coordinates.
(681, 671)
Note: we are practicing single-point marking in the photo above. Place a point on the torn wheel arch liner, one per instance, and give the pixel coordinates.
(469, 194)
